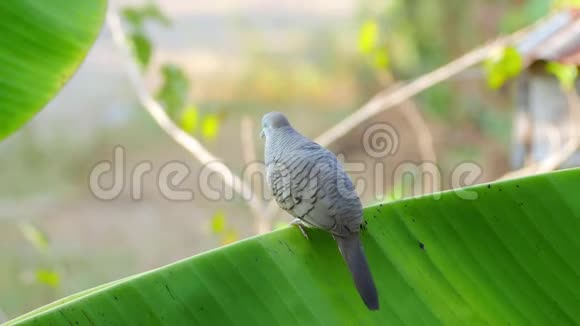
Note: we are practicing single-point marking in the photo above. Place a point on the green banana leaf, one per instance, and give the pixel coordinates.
(508, 257)
(41, 44)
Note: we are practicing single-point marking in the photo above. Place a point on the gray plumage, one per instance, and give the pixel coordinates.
(308, 182)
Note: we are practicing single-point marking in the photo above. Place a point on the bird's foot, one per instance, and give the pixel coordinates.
(300, 225)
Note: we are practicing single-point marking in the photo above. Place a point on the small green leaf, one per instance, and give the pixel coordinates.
(174, 90)
(507, 64)
(495, 79)
(35, 236)
(512, 61)
(381, 60)
(48, 277)
(153, 12)
(189, 119)
(133, 16)
(142, 48)
(137, 16)
(566, 74)
(368, 36)
(210, 126)
(218, 222)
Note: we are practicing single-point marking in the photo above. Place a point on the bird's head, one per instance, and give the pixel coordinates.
(272, 121)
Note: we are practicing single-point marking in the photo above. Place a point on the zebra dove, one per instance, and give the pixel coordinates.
(308, 182)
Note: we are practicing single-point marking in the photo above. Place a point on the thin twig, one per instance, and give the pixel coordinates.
(158, 113)
(424, 136)
(247, 135)
(247, 138)
(424, 142)
(526, 170)
(558, 158)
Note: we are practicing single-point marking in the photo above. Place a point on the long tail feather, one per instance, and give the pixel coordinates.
(352, 251)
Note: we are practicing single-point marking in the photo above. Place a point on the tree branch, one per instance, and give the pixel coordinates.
(159, 115)
(386, 99)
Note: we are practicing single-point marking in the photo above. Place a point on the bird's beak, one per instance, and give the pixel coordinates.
(262, 135)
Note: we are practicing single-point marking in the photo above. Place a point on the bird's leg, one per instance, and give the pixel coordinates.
(298, 223)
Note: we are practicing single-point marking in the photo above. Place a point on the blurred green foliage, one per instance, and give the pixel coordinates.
(368, 35)
(136, 17)
(440, 99)
(175, 88)
(526, 12)
(39, 240)
(48, 277)
(566, 74)
(174, 91)
(35, 236)
(505, 65)
(419, 36)
(566, 3)
(218, 222)
(142, 48)
(368, 42)
(190, 119)
(210, 126)
(221, 228)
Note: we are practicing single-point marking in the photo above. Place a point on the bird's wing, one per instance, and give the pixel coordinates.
(300, 184)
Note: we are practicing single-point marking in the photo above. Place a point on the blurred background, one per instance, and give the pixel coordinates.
(217, 67)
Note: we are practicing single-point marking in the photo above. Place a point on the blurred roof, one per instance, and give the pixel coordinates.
(555, 39)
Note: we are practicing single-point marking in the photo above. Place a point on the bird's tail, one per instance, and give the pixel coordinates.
(352, 251)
